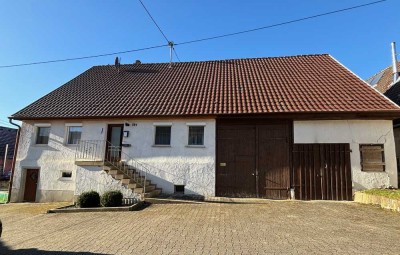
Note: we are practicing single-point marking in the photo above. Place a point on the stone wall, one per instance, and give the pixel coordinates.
(383, 202)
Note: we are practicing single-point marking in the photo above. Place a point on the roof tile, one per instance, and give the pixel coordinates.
(307, 83)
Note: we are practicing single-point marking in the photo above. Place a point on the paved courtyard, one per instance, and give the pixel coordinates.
(275, 227)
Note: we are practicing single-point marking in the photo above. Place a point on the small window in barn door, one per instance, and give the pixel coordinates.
(372, 157)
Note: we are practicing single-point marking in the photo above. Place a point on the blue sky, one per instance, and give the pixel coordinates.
(45, 30)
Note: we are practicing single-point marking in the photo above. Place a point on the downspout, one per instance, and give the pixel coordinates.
(14, 159)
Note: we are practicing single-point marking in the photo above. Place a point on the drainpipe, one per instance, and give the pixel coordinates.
(14, 158)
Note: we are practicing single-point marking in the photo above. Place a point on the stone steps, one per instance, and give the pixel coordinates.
(131, 179)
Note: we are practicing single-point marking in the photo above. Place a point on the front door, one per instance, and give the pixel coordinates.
(32, 177)
(114, 142)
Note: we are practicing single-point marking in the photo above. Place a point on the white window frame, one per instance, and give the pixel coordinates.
(67, 126)
(161, 124)
(36, 131)
(195, 124)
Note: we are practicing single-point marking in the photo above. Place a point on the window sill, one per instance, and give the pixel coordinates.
(71, 145)
(40, 145)
(63, 179)
(161, 145)
(195, 146)
(373, 171)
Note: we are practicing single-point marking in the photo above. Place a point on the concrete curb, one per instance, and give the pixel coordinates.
(67, 209)
(383, 202)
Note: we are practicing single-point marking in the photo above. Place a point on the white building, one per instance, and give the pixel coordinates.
(267, 127)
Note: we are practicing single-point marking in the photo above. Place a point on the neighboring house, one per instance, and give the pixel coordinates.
(7, 143)
(383, 80)
(393, 93)
(301, 126)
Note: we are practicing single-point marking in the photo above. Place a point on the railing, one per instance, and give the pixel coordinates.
(111, 155)
(90, 150)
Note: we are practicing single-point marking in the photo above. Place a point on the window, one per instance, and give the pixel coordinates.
(372, 157)
(196, 135)
(74, 134)
(163, 136)
(42, 136)
(66, 174)
(179, 189)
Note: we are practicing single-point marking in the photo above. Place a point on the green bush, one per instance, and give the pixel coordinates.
(111, 199)
(88, 199)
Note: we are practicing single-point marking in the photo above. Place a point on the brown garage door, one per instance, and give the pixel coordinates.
(253, 160)
(322, 171)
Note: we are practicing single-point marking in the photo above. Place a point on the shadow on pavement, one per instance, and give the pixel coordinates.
(5, 250)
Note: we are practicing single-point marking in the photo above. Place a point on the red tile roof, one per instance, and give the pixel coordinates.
(295, 84)
(383, 80)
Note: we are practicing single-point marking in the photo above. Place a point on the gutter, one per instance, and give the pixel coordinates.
(14, 159)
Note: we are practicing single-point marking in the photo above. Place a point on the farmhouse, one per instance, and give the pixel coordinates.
(301, 127)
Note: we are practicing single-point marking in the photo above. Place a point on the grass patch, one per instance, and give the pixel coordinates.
(389, 193)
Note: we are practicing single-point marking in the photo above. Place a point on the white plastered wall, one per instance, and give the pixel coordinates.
(51, 160)
(178, 164)
(354, 132)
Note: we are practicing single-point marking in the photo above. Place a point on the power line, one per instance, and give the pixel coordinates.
(159, 28)
(7, 124)
(153, 20)
(85, 57)
(280, 24)
(198, 40)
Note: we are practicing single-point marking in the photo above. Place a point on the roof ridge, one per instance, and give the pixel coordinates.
(224, 60)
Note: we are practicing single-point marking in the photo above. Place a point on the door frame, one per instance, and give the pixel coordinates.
(108, 138)
(256, 122)
(37, 183)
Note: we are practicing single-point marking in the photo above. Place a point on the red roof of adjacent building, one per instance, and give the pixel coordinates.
(7, 136)
(383, 80)
(295, 84)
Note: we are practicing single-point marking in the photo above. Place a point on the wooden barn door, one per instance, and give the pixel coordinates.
(253, 160)
(273, 160)
(235, 173)
(322, 171)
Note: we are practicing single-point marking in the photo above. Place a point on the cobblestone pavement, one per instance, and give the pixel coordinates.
(276, 227)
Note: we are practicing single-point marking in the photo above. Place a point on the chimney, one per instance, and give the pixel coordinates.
(394, 60)
(117, 63)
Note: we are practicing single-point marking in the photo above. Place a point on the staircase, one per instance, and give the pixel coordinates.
(132, 179)
(131, 173)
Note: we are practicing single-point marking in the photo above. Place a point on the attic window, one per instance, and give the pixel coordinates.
(372, 157)
(374, 80)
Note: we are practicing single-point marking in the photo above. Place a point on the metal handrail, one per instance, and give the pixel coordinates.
(90, 150)
(112, 155)
(98, 148)
(135, 171)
